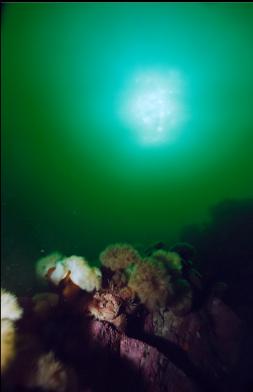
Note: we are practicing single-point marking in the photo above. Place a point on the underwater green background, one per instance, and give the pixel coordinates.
(74, 176)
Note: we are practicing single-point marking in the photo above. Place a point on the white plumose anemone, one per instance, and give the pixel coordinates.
(10, 308)
(10, 312)
(172, 260)
(59, 273)
(47, 373)
(86, 277)
(45, 263)
(8, 351)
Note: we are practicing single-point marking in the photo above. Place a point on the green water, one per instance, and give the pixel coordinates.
(74, 176)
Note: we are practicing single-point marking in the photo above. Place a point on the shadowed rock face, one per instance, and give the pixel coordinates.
(206, 344)
(197, 352)
(166, 353)
(155, 369)
(132, 364)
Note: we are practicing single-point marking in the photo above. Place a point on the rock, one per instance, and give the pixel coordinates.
(206, 342)
(116, 362)
(227, 331)
(195, 352)
(157, 372)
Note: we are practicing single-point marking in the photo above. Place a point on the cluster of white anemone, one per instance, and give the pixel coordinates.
(10, 312)
(86, 277)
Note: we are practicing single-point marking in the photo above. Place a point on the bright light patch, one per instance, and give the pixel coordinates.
(153, 106)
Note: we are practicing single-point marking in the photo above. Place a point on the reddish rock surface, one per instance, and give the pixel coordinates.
(206, 342)
(193, 353)
(157, 372)
(127, 364)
